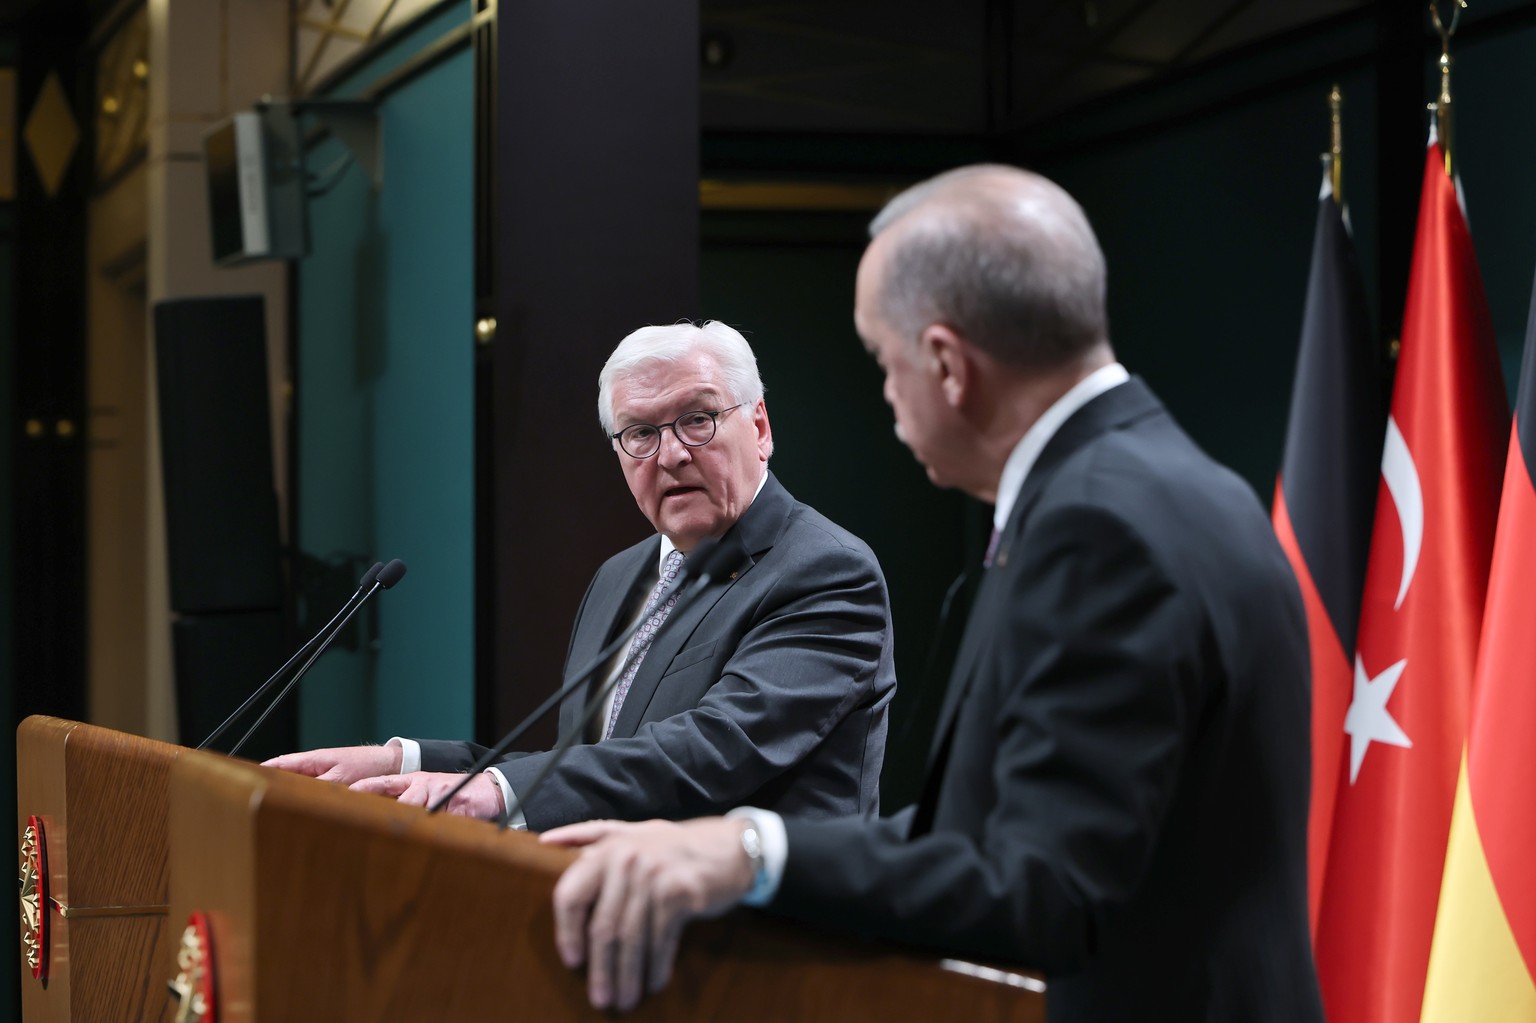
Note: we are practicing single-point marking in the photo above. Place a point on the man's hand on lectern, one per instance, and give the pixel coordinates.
(621, 907)
(344, 764)
(480, 798)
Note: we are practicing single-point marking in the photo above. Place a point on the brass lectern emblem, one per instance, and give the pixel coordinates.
(34, 898)
(193, 986)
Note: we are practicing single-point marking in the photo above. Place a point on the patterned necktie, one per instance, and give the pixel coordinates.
(654, 614)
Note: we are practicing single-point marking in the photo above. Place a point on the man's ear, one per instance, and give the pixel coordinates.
(763, 429)
(946, 355)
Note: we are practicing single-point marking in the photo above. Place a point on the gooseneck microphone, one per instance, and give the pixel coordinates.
(713, 561)
(709, 560)
(380, 576)
(388, 576)
(363, 586)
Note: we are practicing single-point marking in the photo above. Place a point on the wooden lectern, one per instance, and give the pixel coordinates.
(101, 799)
(326, 905)
(292, 899)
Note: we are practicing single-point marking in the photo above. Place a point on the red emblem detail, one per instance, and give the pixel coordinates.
(35, 905)
(194, 986)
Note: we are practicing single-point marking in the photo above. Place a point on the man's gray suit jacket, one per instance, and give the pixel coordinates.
(769, 688)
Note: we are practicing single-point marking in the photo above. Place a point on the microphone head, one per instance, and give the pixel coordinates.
(370, 575)
(392, 573)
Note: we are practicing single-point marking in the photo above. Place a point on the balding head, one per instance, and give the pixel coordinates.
(1003, 256)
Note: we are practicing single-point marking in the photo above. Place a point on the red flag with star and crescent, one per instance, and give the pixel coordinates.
(1421, 612)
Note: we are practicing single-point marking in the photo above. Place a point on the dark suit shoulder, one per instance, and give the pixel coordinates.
(1153, 478)
(811, 527)
(625, 567)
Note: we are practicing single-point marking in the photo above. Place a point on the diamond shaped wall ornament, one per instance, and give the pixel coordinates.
(51, 134)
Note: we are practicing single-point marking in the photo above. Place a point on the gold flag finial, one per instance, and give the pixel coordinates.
(1336, 142)
(1444, 121)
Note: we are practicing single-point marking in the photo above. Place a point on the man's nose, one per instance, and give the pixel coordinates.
(673, 451)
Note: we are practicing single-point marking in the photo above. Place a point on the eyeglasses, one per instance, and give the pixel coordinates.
(695, 429)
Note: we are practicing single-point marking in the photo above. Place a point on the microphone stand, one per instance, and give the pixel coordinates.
(713, 562)
(388, 576)
(353, 601)
(712, 559)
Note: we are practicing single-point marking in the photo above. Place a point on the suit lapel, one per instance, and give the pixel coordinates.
(1114, 409)
(969, 652)
(755, 534)
(611, 608)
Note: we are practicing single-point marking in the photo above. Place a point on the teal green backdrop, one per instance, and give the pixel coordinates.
(384, 422)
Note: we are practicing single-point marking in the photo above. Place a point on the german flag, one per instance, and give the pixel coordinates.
(1484, 955)
(1326, 493)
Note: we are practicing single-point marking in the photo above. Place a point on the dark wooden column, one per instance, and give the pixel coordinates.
(595, 233)
(47, 370)
(43, 394)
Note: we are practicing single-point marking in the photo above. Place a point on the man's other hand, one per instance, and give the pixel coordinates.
(344, 764)
(621, 907)
(480, 798)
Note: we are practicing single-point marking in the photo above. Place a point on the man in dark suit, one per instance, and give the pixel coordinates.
(1117, 787)
(770, 686)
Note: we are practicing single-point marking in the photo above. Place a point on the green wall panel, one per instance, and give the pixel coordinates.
(385, 410)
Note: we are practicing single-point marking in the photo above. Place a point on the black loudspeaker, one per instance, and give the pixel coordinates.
(220, 660)
(216, 454)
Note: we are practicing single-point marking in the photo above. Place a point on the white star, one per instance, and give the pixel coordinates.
(1368, 720)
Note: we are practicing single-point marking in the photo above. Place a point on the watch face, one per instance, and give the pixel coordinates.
(760, 891)
(753, 845)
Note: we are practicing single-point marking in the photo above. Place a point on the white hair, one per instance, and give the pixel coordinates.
(649, 345)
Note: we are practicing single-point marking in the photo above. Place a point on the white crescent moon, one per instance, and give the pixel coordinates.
(1402, 479)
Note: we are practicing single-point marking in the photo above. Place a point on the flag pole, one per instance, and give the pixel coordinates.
(1444, 121)
(1336, 142)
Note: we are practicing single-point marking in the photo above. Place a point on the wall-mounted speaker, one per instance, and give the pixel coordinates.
(216, 453)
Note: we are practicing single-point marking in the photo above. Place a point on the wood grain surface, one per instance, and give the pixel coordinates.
(103, 798)
(330, 905)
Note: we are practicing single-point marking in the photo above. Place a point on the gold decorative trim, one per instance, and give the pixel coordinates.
(315, 30)
(794, 195)
(33, 883)
(122, 99)
(87, 912)
(51, 135)
(194, 984)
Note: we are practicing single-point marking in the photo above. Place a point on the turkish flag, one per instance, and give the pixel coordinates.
(1325, 495)
(1421, 612)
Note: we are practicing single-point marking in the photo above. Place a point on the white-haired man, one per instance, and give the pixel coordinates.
(771, 685)
(1117, 792)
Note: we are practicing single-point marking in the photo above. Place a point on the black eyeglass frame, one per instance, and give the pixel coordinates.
(714, 420)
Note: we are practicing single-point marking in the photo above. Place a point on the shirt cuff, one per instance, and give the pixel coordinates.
(508, 797)
(410, 754)
(775, 842)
